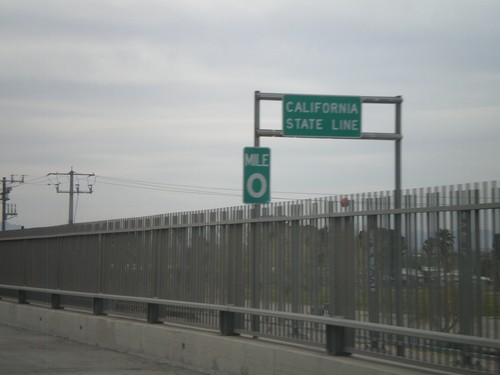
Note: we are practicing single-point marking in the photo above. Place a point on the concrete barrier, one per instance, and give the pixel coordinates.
(201, 350)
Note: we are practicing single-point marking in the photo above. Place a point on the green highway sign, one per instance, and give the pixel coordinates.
(321, 116)
(256, 175)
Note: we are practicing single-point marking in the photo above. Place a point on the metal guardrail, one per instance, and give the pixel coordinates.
(336, 328)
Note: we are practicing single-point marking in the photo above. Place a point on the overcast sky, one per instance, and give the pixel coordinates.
(151, 91)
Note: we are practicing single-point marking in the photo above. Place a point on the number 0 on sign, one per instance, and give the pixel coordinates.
(256, 175)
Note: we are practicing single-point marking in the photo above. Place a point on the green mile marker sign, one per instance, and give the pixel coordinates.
(256, 175)
(322, 116)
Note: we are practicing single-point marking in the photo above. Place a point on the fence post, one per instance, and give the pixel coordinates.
(98, 306)
(153, 313)
(21, 296)
(227, 323)
(255, 259)
(373, 287)
(336, 338)
(342, 273)
(465, 287)
(55, 301)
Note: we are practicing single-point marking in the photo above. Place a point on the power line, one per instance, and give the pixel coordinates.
(42, 180)
(163, 184)
(225, 192)
(190, 189)
(159, 187)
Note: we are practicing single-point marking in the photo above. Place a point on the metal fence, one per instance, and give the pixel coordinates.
(433, 264)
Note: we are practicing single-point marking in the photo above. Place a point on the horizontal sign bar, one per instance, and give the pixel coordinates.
(366, 136)
(365, 99)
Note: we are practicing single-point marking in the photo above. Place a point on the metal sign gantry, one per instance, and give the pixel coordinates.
(396, 136)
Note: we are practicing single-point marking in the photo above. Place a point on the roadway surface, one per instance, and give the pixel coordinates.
(25, 352)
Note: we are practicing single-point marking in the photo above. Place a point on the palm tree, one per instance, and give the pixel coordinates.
(442, 243)
(446, 241)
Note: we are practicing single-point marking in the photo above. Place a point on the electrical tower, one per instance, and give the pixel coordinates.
(8, 210)
(72, 187)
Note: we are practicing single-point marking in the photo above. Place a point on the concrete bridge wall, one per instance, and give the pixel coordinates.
(201, 350)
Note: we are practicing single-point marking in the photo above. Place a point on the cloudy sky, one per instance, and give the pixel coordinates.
(155, 97)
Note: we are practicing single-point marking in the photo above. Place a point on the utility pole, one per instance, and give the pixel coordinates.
(8, 210)
(72, 190)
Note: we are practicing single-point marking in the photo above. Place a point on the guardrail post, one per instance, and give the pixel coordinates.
(55, 301)
(98, 306)
(153, 313)
(336, 340)
(21, 296)
(227, 323)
